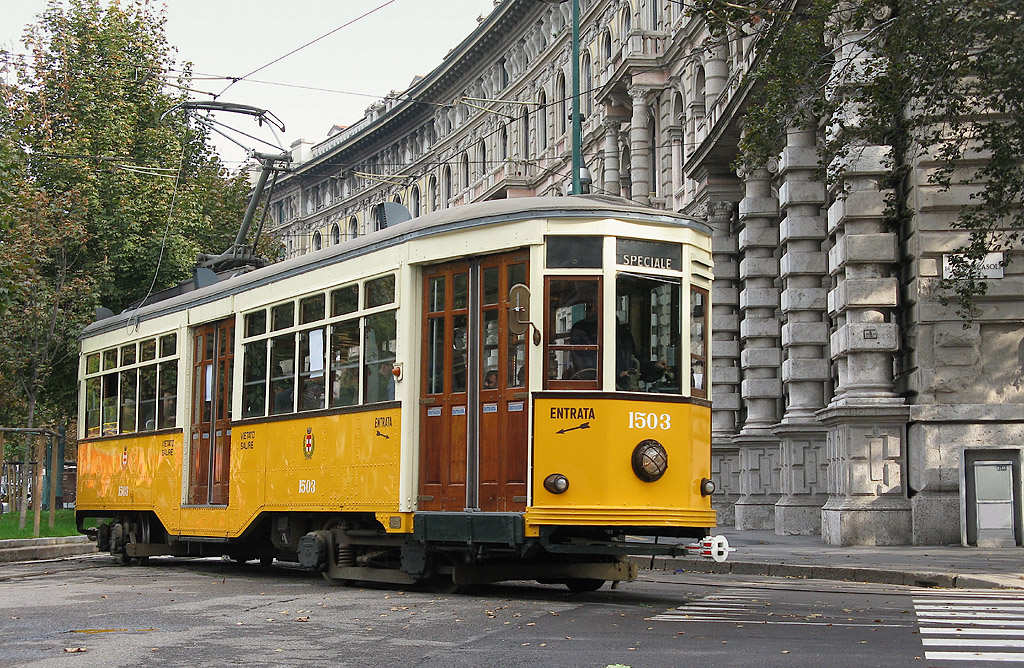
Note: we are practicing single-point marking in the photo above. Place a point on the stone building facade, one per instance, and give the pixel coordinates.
(847, 400)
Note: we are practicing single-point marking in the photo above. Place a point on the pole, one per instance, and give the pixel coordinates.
(577, 130)
(37, 490)
(2, 475)
(61, 445)
(54, 477)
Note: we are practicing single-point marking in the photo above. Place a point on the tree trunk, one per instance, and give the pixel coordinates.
(37, 491)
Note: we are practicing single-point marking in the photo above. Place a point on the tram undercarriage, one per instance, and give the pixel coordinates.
(447, 551)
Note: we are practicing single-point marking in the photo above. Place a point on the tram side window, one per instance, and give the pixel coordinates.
(147, 397)
(380, 347)
(129, 399)
(93, 392)
(312, 369)
(282, 374)
(345, 364)
(698, 341)
(574, 332)
(648, 332)
(168, 403)
(254, 380)
(110, 404)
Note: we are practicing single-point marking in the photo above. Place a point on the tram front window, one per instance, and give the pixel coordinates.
(574, 333)
(648, 332)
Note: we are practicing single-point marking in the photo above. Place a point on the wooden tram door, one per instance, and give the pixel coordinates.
(473, 406)
(210, 458)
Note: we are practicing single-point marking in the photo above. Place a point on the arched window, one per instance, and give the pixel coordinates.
(524, 133)
(627, 22)
(432, 193)
(562, 101)
(414, 201)
(606, 45)
(446, 186)
(542, 122)
(318, 241)
(653, 9)
(585, 81)
(481, 156)
(652, 151)
(699, 86)
(465, 170)
(353, 227)
(397, 199)
(380, 221)
(503, 142)
(335, 234)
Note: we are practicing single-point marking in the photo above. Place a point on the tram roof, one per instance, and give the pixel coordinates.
(469, 216)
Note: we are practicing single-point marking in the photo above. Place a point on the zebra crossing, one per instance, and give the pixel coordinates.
(748, 606)
(971, 625)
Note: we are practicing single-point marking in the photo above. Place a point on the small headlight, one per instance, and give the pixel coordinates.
(650, 460)
(556, 483)
(707, 487)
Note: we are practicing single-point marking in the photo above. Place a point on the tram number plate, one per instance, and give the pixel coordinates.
(122, 490)
(638, 420)
(307, 486)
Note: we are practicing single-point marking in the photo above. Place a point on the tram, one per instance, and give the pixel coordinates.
(515, 389)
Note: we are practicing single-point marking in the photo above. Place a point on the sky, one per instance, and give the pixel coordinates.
(230, 38)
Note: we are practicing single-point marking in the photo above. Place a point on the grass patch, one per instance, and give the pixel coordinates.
(64, 525)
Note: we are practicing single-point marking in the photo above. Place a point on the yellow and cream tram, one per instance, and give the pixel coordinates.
(505, 390)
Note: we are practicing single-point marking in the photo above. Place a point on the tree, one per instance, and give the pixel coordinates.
(109, 197)
(945, 83)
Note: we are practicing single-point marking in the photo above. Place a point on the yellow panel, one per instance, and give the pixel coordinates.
(131, 473)
(591, 442)
(353, 466)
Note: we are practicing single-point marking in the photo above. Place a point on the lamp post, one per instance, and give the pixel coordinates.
(577, 129)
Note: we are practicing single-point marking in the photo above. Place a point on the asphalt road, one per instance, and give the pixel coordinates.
(90, 612)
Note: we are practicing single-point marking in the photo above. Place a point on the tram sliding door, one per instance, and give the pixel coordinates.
(473, 414)
(210, 451)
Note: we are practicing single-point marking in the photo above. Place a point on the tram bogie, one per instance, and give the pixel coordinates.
(510, 390)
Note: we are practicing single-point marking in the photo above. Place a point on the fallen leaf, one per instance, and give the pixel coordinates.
(302, 619)
(76, 650)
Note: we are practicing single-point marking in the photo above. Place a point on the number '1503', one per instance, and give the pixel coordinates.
(638, 420)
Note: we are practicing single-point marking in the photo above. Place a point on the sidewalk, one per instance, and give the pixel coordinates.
(31, 549)
(764, 553)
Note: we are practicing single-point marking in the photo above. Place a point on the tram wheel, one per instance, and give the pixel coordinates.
(443, 583)
(266, 562)
(581, 585)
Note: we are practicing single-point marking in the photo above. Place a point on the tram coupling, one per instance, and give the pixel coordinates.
(711, 547)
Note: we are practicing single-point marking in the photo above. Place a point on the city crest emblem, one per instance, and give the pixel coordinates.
(124, 458)
(307, 446)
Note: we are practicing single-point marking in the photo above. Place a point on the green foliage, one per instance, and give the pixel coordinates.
(63, 525)
(942, 83)
(104, 195)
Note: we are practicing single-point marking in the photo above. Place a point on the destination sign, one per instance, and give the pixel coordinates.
(649, 254)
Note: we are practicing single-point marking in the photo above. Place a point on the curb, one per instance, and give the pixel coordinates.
(33, 549)
(840, 573)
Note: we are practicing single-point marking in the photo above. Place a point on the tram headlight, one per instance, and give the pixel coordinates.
(650, 460)
(707, 486)
(556, 483)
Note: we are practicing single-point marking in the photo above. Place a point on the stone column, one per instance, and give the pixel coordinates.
(611, 185)
(725, 362)
(716, 72)
(866, 442)
(639, 148)
(761, 356)
(804, 337)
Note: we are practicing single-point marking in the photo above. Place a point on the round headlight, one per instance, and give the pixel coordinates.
(650, 460)
(556, 483)
(707, 487)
